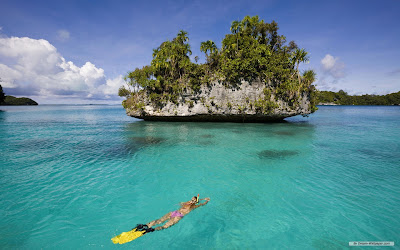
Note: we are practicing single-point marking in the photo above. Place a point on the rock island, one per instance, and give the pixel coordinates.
(253, 77)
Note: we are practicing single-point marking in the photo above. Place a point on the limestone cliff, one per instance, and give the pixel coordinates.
(250, 102)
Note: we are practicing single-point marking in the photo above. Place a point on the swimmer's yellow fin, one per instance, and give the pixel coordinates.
(127, 236)
(135, 233)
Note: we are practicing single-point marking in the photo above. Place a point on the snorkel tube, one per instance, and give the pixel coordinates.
(197, 199)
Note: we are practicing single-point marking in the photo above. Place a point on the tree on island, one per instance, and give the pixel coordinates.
(253, 51)
(2, 96)
(208, 46)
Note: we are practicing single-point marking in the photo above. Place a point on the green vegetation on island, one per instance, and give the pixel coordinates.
(2, 96)
(342, 98)
(253, 51)
(11, 100)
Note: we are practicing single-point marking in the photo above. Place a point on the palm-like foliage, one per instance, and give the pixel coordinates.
(309, 77)
(182, 37)
(172, 57)
(236, 28)
(208, 46)
(299, 56)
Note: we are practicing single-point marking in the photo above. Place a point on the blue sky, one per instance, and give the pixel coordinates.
(78, 51)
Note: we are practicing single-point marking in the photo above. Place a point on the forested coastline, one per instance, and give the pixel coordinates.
(12, 100)
(343, 98)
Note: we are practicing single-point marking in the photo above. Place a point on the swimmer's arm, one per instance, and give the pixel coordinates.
(202, 204)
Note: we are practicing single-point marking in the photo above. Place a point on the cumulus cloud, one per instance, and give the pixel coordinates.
(34, 67)
(333, 70)
(333, 67)
(63, 35)
(112, 85)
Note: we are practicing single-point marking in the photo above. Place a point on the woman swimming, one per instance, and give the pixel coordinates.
(175, 216)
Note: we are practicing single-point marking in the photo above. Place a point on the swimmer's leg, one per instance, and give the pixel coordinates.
(169, 223)
(159, 221)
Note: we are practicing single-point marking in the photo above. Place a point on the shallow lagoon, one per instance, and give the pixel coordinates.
(75, 176)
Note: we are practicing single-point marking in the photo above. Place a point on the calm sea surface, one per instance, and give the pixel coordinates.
(73, 177)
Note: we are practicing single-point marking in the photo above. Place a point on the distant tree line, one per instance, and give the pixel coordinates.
(11, 100)
(342, 98)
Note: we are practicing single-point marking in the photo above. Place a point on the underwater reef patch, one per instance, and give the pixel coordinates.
(277, 154)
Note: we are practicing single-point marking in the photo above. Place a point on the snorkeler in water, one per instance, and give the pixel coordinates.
(175, 216)
(172, 217)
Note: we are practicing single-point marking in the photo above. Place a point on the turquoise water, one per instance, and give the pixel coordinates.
(72, 177)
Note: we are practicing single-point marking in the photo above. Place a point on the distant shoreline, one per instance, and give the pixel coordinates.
(342, 98)
(335, 104)
(18, 101)
(328, 104)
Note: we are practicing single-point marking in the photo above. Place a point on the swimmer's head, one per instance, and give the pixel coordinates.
(194, 200)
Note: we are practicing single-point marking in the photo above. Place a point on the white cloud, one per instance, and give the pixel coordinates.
(63, 35)
(34, 67)
(333, 67)
(332, 72)
(112, 85)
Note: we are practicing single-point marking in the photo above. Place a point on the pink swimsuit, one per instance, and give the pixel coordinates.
(176, 214)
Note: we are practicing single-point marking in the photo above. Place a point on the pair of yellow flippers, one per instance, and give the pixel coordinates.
(135, 233)
(127, 236)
